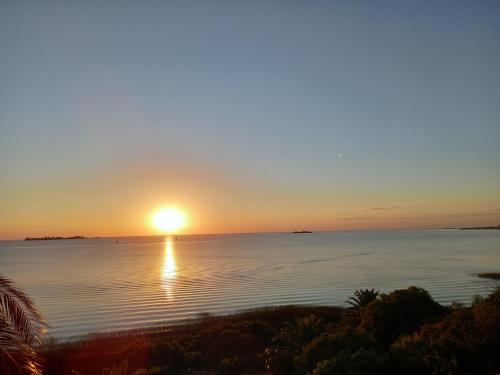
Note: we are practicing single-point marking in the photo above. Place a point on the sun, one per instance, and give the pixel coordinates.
(169, 219)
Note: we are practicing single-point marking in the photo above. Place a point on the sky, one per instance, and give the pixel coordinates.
(249, 115)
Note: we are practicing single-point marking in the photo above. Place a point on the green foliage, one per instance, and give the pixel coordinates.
(358, 302)
(356, 362)
(21, 331)
(465, 342)
(403, 332)
(332, 344)
(288, 345)
(230, 344)
(400, 312)
(362, 298)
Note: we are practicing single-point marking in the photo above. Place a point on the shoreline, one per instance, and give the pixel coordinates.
(480, 228)
(54, 238)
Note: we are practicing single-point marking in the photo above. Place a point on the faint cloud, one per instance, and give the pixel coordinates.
(388, 208)
(341, 155)
(358, 217)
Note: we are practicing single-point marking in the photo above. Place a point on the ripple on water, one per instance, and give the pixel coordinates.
(100, 285)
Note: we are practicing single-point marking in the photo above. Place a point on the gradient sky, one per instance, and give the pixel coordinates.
(251, 115)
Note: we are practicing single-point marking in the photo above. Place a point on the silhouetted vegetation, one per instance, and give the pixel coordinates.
(48, 238)
(21, 330)
(362, 298)
(479, 228)
(404, 331)
(490, 275)
(208, 345)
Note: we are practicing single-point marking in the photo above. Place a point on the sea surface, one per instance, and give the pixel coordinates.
(104, 284)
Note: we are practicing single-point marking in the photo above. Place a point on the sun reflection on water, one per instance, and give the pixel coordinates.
(169, 271)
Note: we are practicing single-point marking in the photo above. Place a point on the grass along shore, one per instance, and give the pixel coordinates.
(404, 331)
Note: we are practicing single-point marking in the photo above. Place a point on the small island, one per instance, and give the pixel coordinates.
(480, 228)
(301, 231)
(49, 238)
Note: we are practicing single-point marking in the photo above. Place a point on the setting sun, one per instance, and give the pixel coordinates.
(169, 220)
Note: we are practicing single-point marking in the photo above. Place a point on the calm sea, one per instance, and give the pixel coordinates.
(90, 285)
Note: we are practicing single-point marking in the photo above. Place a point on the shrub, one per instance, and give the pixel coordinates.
(399, 313)
(360, 362)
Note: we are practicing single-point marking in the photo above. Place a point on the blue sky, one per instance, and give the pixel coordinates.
(353, 105)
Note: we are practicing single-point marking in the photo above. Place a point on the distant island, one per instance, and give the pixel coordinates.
(301, 231)
(479, 228)
(48, 238)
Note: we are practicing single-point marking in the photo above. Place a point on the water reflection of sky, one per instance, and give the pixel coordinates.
(108, 285)
(169, 271)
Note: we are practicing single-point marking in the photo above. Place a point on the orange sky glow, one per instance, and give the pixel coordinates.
(121, 199)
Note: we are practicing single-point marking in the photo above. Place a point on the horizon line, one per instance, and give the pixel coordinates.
(226, 233)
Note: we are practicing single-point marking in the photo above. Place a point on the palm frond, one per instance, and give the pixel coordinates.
(21, 331)
(362, 298)
(20, 311)
(16, 356)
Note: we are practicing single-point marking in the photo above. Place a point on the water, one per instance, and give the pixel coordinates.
(84, 286)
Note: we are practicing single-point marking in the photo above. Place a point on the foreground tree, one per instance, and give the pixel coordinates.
(362, 298)
(21, 331)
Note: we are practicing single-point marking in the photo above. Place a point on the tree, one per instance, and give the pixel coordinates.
(21, 331)
(358, 302)
(284, 356)
(400, 312)
(362, 298)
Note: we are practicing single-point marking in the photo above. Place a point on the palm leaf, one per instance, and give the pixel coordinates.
(18, 310)
(21, 331)
(362, 298)
(16, 357)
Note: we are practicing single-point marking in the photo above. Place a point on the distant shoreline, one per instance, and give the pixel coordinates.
(480, 228)
(276, 232)
(490, 275)
(49, 238)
